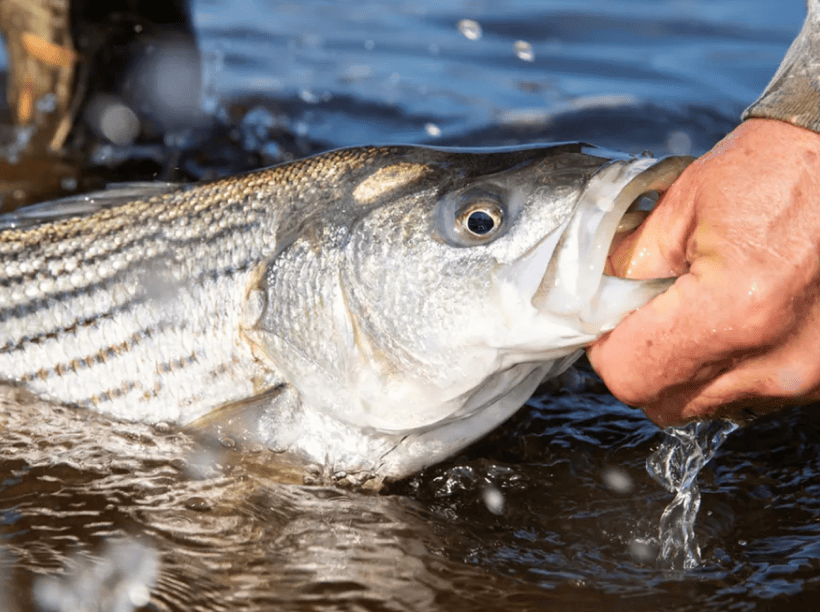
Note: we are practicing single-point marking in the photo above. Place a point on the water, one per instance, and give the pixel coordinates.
(676, 465)
(553, 510)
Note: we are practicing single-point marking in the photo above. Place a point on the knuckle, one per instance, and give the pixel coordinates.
(793, 380)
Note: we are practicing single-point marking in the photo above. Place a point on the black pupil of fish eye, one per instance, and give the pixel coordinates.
(480, 223)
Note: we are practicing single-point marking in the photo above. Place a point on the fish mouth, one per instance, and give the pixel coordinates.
(574, 284)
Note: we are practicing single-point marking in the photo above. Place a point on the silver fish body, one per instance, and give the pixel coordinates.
(378, 308)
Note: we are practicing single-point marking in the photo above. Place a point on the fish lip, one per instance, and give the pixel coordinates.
(576, 269)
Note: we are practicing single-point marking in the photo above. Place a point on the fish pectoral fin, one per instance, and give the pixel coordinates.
(227, 432)
(617, 297)
(238, 420)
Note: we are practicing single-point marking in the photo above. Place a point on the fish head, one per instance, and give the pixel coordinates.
(452, 283)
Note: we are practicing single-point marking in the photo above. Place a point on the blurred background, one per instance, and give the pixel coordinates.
(136, 89)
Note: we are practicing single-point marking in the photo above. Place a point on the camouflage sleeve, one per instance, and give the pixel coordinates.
(793, 95)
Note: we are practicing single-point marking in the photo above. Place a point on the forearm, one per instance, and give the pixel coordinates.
(793, 95)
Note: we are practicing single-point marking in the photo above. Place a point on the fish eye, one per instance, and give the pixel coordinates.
(474, 216)
(480, 219)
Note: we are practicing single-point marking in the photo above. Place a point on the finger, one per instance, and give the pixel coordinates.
(685, 336)
(761, 382)
(757, 386)
(760, 367)
(657, 248)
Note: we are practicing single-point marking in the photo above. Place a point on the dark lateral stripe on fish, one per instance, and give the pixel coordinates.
(214, 373)
(113, 231)
(165, 367)
(6, 282)
(78, 324)
(158, 237)
(109, 395)
(70, 330)
(100, 356)
(29, 308)
(29, 238)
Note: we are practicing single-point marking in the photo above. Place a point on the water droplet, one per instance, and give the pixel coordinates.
(432, 130)
(676, 465)
(121, 579)
(308, 96)
(113, 119)
(198, 504)
(618, 480)
(524, 51)
(493, 499)
(679, 143)
(470, 28)
(643, 551)
(369, 44)
(162, 427)
(139, 595)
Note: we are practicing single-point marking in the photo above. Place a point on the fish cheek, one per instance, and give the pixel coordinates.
(419, 303)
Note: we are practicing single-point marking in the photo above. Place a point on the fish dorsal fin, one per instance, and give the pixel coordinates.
(83, 204)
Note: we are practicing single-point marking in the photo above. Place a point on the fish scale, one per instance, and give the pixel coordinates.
(341, 305)
(79, 323)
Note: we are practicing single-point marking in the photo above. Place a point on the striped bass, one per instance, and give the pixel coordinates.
(374, 309)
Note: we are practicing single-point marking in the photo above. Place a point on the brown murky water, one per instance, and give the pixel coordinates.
(555, 510)
(210, 525)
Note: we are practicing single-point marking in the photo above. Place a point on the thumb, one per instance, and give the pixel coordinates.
(657, 346)
(657, 248)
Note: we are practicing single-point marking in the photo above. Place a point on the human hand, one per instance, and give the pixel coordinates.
(740, 328)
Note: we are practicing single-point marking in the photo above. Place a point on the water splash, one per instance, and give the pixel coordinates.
(121, 581)
(676, 465)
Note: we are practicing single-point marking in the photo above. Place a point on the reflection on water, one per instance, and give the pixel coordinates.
(553, 510)
(233, 528)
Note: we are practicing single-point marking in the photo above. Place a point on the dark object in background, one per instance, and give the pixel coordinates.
(83, 72)
(63, 55)
(141, 72)
(103, 92)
